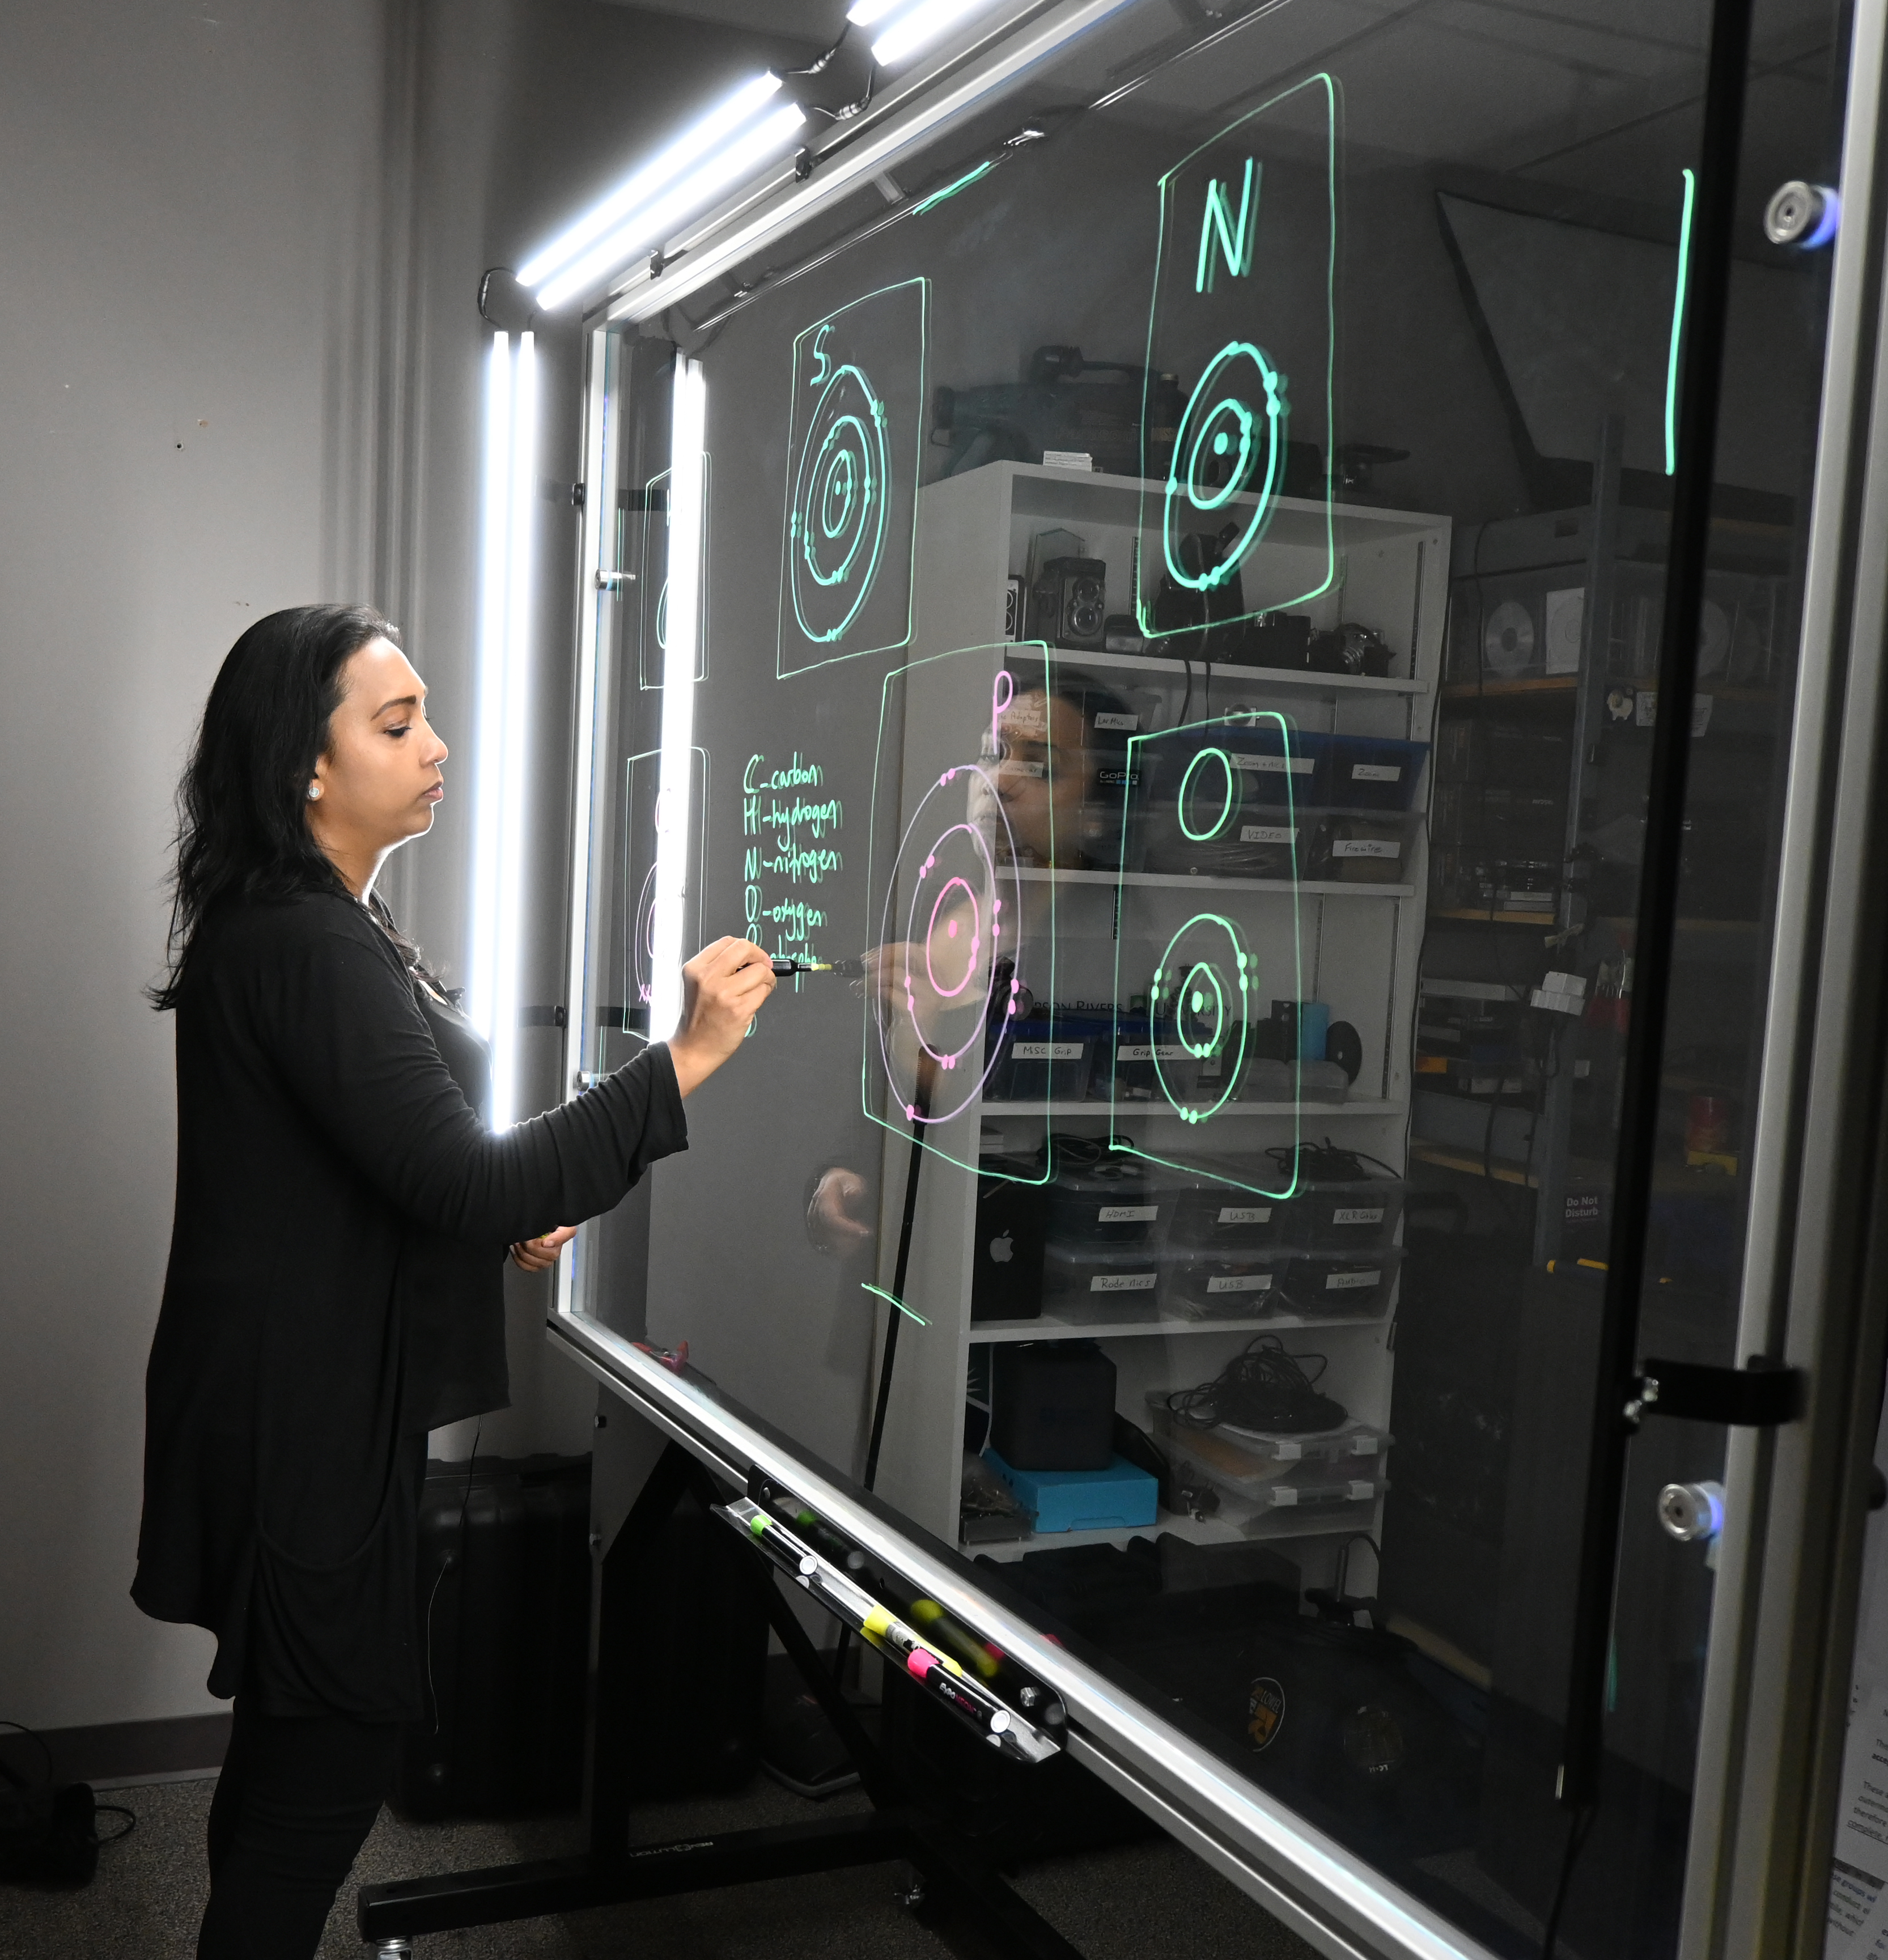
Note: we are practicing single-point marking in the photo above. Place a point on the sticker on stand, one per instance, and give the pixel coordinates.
(1265, 1712)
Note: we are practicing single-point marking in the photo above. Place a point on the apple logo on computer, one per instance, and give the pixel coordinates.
(1002, 1250)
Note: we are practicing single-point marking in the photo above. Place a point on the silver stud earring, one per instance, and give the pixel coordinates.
(314, 792)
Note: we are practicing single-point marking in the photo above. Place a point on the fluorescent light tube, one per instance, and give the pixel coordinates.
(676, 822)
(488, 691)
(721, 121)
(654, 223)
(521, 496)
(917, 29)
(502, 706)
(865, 12)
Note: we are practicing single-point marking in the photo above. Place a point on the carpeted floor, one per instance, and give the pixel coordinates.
(1146, 1901)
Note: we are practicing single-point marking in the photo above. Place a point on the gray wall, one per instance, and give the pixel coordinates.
(187, 335)
(238, 360)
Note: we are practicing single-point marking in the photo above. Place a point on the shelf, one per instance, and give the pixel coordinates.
(1481, 916)
(1237, 674)
(1510, 690)
(1292, 1521)
(1179, 881)
(1139, 1111)
(1445, 1158)
(1061, 1327)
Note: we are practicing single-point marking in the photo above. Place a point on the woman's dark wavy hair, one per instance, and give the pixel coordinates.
(242, 806)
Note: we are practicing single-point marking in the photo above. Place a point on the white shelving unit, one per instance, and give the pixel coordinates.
(1359, 943)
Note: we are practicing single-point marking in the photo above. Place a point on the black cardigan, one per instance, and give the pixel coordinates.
(335, 1284)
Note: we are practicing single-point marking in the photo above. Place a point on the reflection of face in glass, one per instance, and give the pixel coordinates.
(1041, 773)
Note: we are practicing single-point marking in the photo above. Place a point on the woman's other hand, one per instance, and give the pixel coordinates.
(723, 988)
(540, 1254)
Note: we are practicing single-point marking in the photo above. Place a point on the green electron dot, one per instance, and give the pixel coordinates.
(1199, 999)
(1221, 443)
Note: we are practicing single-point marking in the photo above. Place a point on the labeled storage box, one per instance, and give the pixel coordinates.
(1044, 1060)
(1361, 847)
(1372, 771)
(1075, 1273)
(1277, 769)
(1224, 1286)
(1324, 1283)
(1116, 1497)
(1216, 1216)
(1116, 1202)
(1359, 1444)
(1345, 1215)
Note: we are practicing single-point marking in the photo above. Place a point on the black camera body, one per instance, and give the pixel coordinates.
(1069, 605)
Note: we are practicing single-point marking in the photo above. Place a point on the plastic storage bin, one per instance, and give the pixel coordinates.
(1116, 1202)
(1229, 1285)
(1373, 772)
(1044, 1061)
(1346, 1215)
(1357, 1443)
(1361, 847)
(1213, 1215)
(1275, 769)
(1100, 1275)
(1119, 1498)
(1315, 1283)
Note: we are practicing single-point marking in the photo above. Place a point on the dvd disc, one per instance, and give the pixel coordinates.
(1714, 637)
(1507, 639)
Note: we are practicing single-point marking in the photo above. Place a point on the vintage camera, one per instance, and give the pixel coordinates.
(1069, 607)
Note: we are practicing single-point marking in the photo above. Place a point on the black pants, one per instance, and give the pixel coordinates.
(298, 1795)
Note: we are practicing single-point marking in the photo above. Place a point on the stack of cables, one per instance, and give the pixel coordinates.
(1261, 1388)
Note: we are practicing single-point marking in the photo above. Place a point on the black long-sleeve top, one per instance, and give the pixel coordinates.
(336, 1289)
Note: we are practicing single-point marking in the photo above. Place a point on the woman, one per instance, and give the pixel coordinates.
(334, 1288)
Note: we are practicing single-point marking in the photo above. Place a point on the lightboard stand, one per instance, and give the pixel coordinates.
(899, 1825)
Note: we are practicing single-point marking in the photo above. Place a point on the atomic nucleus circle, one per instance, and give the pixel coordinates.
(1231, 439)
(836, 528)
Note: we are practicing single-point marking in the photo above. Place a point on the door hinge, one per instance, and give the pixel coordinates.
(1762, 1395)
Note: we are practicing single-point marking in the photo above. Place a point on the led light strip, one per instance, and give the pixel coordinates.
(675, 819)
(502, 699)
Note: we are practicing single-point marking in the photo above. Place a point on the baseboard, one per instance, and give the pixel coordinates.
(123, 1751)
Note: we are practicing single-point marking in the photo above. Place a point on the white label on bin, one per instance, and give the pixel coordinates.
(1244, 1214)
(1357, 1215)
(1047, 1051)
(1376, 772)
(1127, 1214)
(1366, 847)
(1123, 1282)
(1117, 721)
(1363, 1446)
(1143, 1051)
(1267, 833)
(1240, 1283)
(1288, 1452)
(1275, 765)
(1360, 1489)
(1338, 1282)
(1283, 1494)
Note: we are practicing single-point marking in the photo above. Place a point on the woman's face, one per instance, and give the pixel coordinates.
(1042, 772)
(380, 780)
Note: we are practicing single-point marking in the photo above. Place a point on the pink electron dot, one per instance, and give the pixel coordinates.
(1012, 1006)
(996, 904)
(951, 930)
(1016, 986)
(911, 1112)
